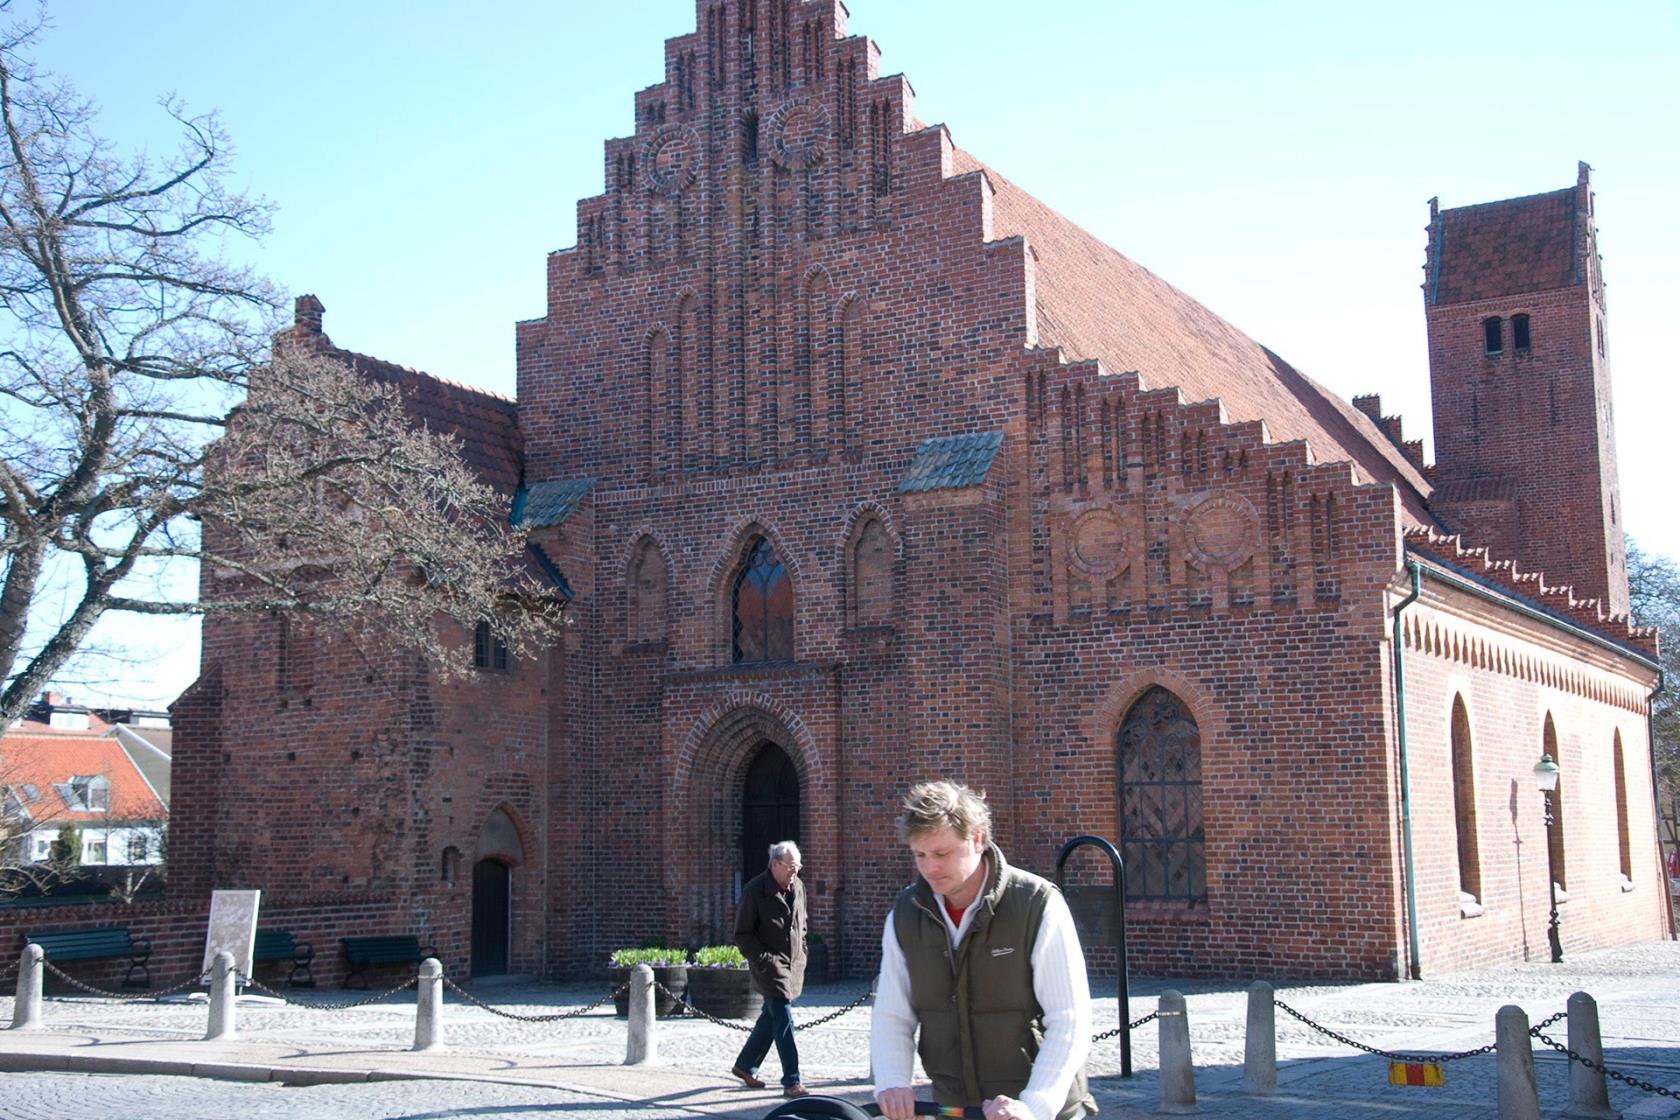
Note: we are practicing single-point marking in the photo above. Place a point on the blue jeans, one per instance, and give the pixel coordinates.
(774, 1022)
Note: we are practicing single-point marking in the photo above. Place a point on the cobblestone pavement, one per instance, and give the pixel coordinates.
(1638, 990)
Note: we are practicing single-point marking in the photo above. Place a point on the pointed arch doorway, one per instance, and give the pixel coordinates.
(769, 807)
(500, 850)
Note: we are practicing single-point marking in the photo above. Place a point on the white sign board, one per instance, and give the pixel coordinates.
(233, 928)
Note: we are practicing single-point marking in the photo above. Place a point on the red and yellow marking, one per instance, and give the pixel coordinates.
(1416, 1073)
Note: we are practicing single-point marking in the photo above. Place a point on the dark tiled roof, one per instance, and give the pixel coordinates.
(547, 571)
(1505, 248)
(486, 424)
(548, 503)
(1096, 303)
(951, 462)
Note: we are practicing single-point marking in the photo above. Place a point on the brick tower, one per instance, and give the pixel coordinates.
(1520, 377)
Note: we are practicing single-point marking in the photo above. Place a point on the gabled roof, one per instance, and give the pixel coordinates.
(951, 462)
(48, 760)
(1095, 303)
(1504, 248)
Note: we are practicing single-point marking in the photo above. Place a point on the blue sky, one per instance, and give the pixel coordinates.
(1273, 160)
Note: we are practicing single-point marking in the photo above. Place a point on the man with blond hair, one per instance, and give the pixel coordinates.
(984, 958)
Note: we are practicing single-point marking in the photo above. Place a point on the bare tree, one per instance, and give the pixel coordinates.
(1654, 600)
(145, 419)
(24, 808)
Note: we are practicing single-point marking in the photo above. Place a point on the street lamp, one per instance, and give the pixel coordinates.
(1546, 777)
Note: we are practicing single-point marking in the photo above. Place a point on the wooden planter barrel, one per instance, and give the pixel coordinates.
(675, 979)
(727, 993)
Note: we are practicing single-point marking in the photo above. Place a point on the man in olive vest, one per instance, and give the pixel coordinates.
(984, 958)
(770, 932)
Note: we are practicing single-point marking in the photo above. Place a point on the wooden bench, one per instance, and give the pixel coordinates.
(280, 945)
(364, 953)
(103, 944)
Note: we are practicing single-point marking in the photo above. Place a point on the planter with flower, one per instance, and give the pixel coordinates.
(720, 984)
(670, 968)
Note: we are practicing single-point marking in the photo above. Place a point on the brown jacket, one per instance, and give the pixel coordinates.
(770, 932)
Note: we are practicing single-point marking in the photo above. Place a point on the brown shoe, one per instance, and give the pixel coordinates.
(794, 1092)
(746, 1078)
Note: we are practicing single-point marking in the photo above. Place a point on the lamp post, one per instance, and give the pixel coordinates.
(1546, 777)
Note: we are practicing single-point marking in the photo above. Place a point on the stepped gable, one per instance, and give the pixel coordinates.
(485, 423)
(1094, 303)
(1505, 248)
(1588, 614)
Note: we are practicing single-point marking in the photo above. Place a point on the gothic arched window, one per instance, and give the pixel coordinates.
(1160, 763)
(762, 606)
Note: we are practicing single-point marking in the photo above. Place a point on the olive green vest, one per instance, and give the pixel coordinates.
(981, 1025)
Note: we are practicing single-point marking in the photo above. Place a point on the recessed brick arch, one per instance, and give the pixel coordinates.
(710, 772)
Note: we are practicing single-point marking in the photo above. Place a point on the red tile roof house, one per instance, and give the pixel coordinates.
(63, 764)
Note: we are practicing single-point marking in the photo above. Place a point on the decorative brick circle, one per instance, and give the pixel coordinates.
(671, 159)
(1097, 542)
(1221, 530)
(799, 132)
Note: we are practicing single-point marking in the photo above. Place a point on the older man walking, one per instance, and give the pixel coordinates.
(770, 932)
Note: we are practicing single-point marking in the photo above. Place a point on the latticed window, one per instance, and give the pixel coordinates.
(1160, 762)
(762, 600)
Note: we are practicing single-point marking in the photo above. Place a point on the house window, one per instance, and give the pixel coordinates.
(762, 602)
(1519, 331)
(1464, 810)
(93, 851)
(1160, 762)
(489, 651)
(138, 848)
(89, 795)
(1493, 335)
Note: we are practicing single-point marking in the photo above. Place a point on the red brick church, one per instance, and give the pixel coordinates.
(862, 466)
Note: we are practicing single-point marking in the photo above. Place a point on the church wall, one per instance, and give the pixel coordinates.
(1510, 676)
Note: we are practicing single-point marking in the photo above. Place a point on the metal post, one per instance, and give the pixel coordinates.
(26, 1009)
(1260, 1045)
(642, 1046)
(222, 978)
(1518, 1097)
(1119, 866)
(1589, 1096)
(428, 1013)
(1551, 883)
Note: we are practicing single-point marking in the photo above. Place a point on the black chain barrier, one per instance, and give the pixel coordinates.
(1132, 1026)
(313, 1005)
(1396, 1056)
(576, 1012)
(1598, 1067)
(690, 1010)
(125, 997)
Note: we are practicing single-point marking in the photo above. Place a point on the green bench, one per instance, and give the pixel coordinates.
(364, 953)
(280, 945)
(104, 944)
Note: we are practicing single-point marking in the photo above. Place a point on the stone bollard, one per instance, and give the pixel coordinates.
(1518, 1097)
(1178, 1076)
(643, 1046)
(222, 993)
(26, 1009)
(428, 1012)
(1260, 1045)
(1589, 1096)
